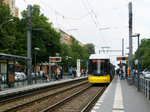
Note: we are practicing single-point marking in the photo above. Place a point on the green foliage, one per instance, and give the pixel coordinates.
(7, 30)
(144, 52)
(43, 35)
(13, 38)
(90, 49)
(74, 51)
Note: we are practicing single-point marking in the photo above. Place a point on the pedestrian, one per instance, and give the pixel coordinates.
(74, 72)
(70, 72)
(82, 72)
(57, 73)
(122, 74)
(61, 72)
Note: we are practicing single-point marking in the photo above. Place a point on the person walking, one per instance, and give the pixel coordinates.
(122, 74)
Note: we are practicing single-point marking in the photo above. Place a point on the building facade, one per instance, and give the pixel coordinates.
(65, 38)
(13, 9)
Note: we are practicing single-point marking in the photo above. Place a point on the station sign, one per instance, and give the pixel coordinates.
(122, 58)
(54, 59)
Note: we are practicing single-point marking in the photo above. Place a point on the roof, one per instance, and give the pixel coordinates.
(12, 57)
(99, 56)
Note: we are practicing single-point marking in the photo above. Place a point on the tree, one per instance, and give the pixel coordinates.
(7, 30)
(43, 35)
(90, 48)
(144, 50)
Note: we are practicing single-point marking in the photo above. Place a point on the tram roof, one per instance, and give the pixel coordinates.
(99, 56)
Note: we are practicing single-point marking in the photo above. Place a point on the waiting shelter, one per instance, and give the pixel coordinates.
(7, 62)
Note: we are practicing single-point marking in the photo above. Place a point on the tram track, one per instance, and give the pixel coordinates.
(76, 97)
(81, 101)
(16, 103)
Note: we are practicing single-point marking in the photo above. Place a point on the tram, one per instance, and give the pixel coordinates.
(99, 69)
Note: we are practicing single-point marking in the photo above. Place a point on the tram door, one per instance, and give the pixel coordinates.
(10, 74)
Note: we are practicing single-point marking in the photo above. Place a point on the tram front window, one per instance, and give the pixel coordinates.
(98, 67)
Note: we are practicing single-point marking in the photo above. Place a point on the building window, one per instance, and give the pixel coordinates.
(12, 3)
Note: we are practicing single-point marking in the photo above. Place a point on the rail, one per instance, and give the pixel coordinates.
(144, 86)
(86, 108)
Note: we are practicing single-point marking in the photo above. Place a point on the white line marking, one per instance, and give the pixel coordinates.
(100, 101)
(118, 101)
(93, 111)
(96, 107)
(98, 104)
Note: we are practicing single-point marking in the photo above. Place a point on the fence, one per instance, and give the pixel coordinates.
(24, 82)
(144, 85)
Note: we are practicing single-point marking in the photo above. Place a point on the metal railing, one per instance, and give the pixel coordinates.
(39, 79)
(144, 85)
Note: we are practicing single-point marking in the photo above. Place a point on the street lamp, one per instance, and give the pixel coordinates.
(138, 35)
(6, 21)
(36, 49)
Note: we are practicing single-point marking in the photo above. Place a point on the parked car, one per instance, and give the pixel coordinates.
(33, 75)
(3, 78)
(147, 74)
(20, 76)
(144, 71)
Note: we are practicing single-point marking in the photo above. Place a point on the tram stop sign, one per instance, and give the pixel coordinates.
(54, 59)
(122, 58)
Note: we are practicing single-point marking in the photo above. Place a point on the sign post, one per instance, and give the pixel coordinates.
(54, 60)
(78, 67)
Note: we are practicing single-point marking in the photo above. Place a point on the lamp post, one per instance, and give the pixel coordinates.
(6, 21)
(138, 66)
(67, 58)
(36, 49)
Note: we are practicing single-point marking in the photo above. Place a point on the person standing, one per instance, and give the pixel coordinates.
(61, 72)
(70, 72)
(57, 73)
(82, 72)
(74, 72)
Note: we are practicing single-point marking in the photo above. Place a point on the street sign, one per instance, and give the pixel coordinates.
(136, 62)
(78, 67)
(54, 59)
(122, 58)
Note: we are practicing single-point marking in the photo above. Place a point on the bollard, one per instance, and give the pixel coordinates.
(149, 90)
(146, 88)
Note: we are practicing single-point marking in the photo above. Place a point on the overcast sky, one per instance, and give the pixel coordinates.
(89, 16)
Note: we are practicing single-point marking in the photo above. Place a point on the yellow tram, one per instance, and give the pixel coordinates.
(99, 69)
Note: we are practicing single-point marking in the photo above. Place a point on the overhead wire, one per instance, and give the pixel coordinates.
(96, 21)
(88, 8)
(89, 12)
(62, 15)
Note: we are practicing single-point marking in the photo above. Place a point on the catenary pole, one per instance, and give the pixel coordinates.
(29, 24)
(122, 47)
(130, 41)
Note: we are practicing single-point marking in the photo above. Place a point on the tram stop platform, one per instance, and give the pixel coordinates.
(122, 97)
(28, 88)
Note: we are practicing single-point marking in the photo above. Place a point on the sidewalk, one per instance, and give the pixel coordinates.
(121, 97)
